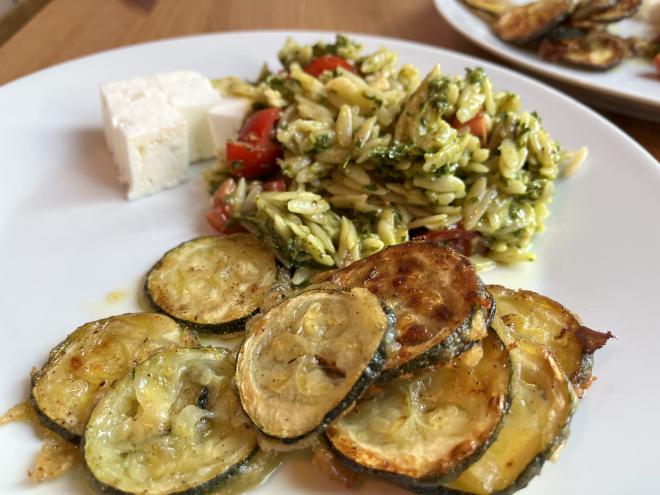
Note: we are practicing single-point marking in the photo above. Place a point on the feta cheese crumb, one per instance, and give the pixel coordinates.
(225, 120)
(155, 126)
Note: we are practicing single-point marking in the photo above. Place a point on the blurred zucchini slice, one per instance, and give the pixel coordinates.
(543, 322)
(617, 12)
(596, 51)
(440, 303)
(212, 283)
(536, 426)
(82, 368)
(425, 428)
(309, 358)
(531, 21)
(172, 425)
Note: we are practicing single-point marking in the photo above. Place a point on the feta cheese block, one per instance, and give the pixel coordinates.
(225, 120)
(116, 97)
(151, 146)
(192, 97)
(144, 120)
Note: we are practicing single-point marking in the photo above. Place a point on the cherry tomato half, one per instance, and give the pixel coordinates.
(476, 125)
(327, 62)
(252, 161)
(259, 128)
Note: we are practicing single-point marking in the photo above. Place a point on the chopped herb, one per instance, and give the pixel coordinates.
(395, 153)
(370, 187)
(236, 165)
(321, 142)
(475, 76)
(377, 101)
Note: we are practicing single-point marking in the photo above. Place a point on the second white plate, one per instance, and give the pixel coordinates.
(632, 88)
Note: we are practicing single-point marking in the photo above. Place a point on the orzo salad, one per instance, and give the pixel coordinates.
(343, 154)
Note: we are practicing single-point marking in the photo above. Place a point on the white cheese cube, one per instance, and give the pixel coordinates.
(151, 142)
(192, 98)
(225, 119)
(116, 97)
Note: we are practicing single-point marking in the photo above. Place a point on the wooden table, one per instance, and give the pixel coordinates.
(66, 29)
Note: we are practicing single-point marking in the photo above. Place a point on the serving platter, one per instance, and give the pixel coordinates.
(632, 88)
(73, 249)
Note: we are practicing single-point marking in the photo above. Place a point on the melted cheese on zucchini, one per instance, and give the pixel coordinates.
(307, 358)
(541, 321)
(173, 424)
(428, 425)
(535, 426)
(82, 369)
(212, 280)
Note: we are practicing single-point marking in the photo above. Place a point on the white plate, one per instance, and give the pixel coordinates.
(68, 238)
(633, 87)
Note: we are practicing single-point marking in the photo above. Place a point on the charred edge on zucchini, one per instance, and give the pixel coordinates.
(544, 322)
(544, 392)
(427, 396)
(371, 365)
(65, 409)
(462, 340)
(226, 278)
(439, 301)
(530, 22)
(202, 448)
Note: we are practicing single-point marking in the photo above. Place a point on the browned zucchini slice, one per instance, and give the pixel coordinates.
(531, 21)
(440, 303)
(536, 426)
(83, 367)
(541, 321)
(596, 51)
(172, 425)
(617, 12)
(309, 358)
(213, 283)
(425, 428)
(586, 8)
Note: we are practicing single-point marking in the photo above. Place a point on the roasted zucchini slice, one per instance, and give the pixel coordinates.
(536, 426)
(541, 321)
(172, 425)
(309, 358)
(440, 303)
(531, 21)
(212, 283)
(425, 428)
(81, 369)
(617, 12)
(595, 51)
(586, 8)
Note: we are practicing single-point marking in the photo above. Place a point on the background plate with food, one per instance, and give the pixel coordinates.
(632, 86)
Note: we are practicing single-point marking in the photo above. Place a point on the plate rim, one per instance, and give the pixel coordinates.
(540, 68)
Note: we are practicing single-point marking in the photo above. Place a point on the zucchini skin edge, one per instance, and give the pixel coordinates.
(49, 423)
(202, 489)
(369, 376)
(44, 419)
(454, 344)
